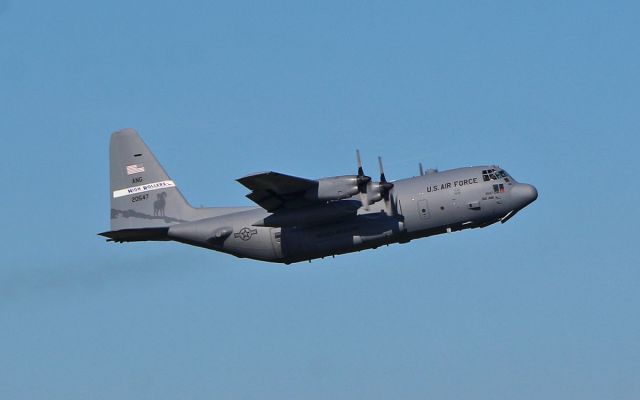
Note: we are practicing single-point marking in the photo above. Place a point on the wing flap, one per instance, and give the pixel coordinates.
(265, 199)
(273, 190)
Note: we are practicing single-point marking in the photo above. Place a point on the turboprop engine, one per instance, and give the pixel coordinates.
(342, 187)
(335, 188)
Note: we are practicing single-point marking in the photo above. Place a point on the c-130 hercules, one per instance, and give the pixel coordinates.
(302, 219)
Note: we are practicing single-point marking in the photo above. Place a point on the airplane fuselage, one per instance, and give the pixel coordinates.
(425, 205)
(302, 219)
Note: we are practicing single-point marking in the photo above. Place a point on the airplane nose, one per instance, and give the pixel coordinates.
(524, 194)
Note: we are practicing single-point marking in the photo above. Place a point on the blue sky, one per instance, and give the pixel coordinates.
(545, 306)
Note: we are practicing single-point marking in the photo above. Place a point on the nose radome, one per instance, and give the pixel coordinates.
(524, 193)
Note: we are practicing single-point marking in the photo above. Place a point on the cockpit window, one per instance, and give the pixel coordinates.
(493, 174)
(502, 173)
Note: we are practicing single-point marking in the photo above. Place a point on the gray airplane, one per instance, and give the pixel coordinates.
(301, 219)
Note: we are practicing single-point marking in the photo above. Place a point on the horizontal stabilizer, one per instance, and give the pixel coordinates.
(136, 235)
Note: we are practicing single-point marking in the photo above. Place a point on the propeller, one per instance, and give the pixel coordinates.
(372, 192)
(385, 188)
(420, 168)
(363, 183)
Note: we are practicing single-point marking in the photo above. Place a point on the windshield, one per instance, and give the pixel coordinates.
(494, 174)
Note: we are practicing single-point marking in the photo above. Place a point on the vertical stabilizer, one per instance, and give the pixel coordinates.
(142, 194)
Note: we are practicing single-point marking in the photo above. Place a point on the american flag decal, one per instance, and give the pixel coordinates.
(135, 169)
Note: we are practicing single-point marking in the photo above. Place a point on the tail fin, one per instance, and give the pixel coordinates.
(142, 195)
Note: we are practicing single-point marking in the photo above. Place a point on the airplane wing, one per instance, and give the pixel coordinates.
(273, 190)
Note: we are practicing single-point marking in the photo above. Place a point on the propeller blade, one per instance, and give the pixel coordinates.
(420, 168)
(384, 185)
(384, 188)
(364, 199)
(382, 177)
(362, 178)
(363, 183)
(389, 206)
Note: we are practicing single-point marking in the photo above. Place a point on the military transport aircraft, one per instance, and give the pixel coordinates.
(301, 219)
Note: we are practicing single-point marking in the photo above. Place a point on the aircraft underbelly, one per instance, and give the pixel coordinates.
(364, 231)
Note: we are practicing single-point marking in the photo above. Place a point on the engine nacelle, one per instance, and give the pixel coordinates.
(334, 188)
